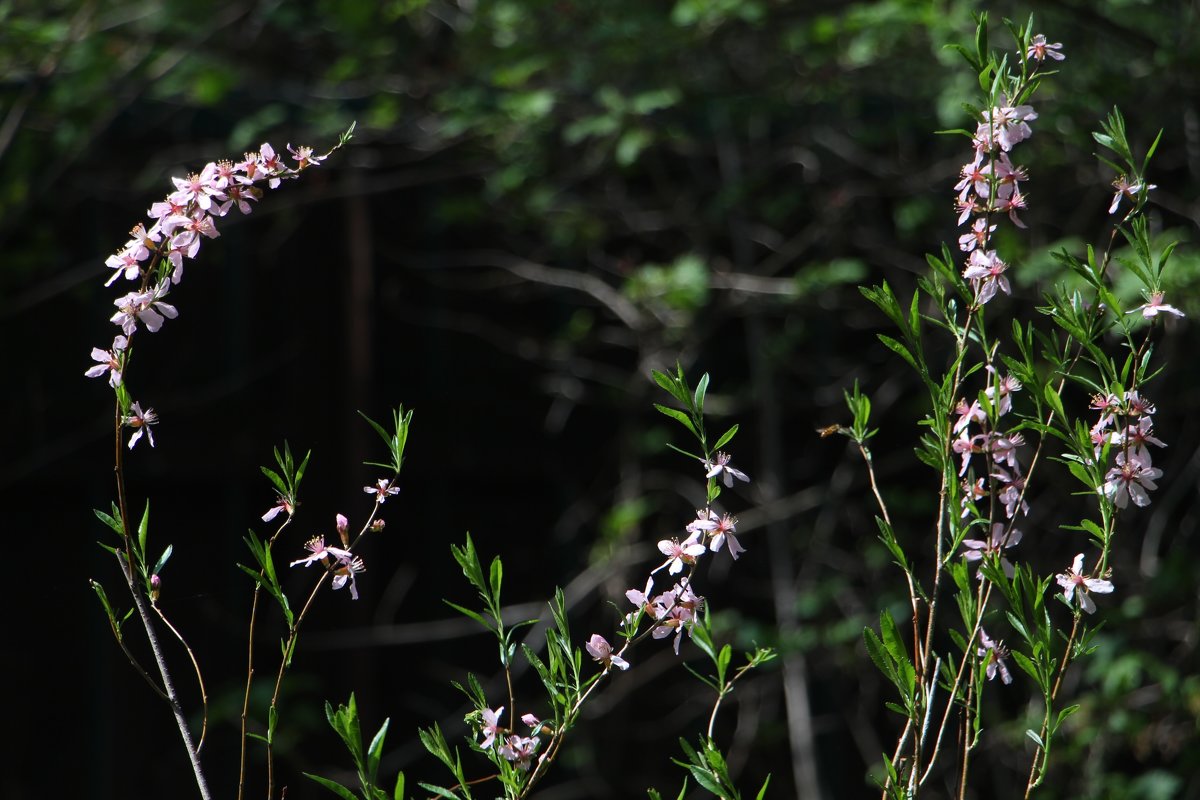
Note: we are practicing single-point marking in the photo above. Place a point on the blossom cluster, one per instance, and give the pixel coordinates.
(153, 258)
(999, 448)
(989, 184)
(519, 750)
(1127, 423)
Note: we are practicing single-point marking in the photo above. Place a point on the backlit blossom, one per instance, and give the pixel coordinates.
(109, 361)
(600, 650)
(382, 490)
(993, 654)
(281, 504)
(996, 544)
(977, 236)
(720, 466)
(1134, 439)
(1155, 306)
(1039, 50)
(344, 573)
(1130, 479)
(1126, 189)
(520, 750)
(318, 551)
(1074, 581)
(144, 307)
(985, 270)
(140, 421)
(680, 553)
(491, 726)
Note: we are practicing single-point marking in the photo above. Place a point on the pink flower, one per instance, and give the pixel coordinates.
(985, 270)
(1012, 492)
(1039, 50)
(491, 726)
(679, 554)
(1073, 579)
(1156, 306)
(600, 650)
(318, 551)
(123, 262)
(140, 421)
(994, 654)
(720, 465)
(304, 156)
(1126, 189)
(344, 571)
(1135, 438)
(200, 189)
(997, 543)
(382, 490)
(1006, 125)
(109, 361)
(281, 504)
(1130, 479)
(1005, 386)
(520, 750)
(977, 236)
(144, 307)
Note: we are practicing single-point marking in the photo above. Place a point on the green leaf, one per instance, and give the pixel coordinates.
(398, 792)
(438, 790)
(698, 397)
(112, 521)
(1032, 734)
(375, 751)
(143, 532)
(899, 349)
(726, 437)
(763, 791)
(472, 614)
(162, 560)
(333, 786)
(679, 416)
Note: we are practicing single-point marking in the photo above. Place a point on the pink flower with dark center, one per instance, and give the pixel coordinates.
(985, 270)
(976, 237)
(1156, 306)
(140, 421)
(1039, 50)
(720, 466)
(281, 504)
(1135, 438)
(345, 571)
(110, 361)
(1010, 203)
(1130, 479)
(382, 490)
(520, 750)
(317, 551)
(1012, 492)
(993, 654)
(1000, 540)
(1136, 405)
(1073, 581)
(600, 650)
(680, 553)
(1126, 189)
(726, 526)
(491, 726)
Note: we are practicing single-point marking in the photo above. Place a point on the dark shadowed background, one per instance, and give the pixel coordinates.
(543, 202)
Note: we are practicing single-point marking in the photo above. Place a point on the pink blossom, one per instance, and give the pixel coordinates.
(678, 553)
(144, 307)
(1073, 580)
(994, 654)
(996, 544)
(1135, 438)
(304, 156)
(968, 414)
(318, 551)
(1012, 492)
(109, 361)
(344, 571)
(491, 726)
(720, 466)
(977, 236)
(1005, 387)
(985, 270)
(600, 650)
(1156, 306)
(1006, 125)
(382, 490)
(1136, 405)
(675, 612)
(140, 421)
(1130, 479)
(281, 504)
(520, 750)
(123, 261)
(200, 189)
(1039, 50)
(1126, 189)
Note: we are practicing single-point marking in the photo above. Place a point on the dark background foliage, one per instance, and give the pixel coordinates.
(544, 201)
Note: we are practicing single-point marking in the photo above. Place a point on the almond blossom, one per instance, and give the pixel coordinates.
(140, 421)
(109, 361)
(1039, 50)
(1155, 306)
(720, 466)
(600, 650)
(1000, 540)
(1073, 580)
(680, 553)
(491, 726)
(993, 654)
(1130, 479)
